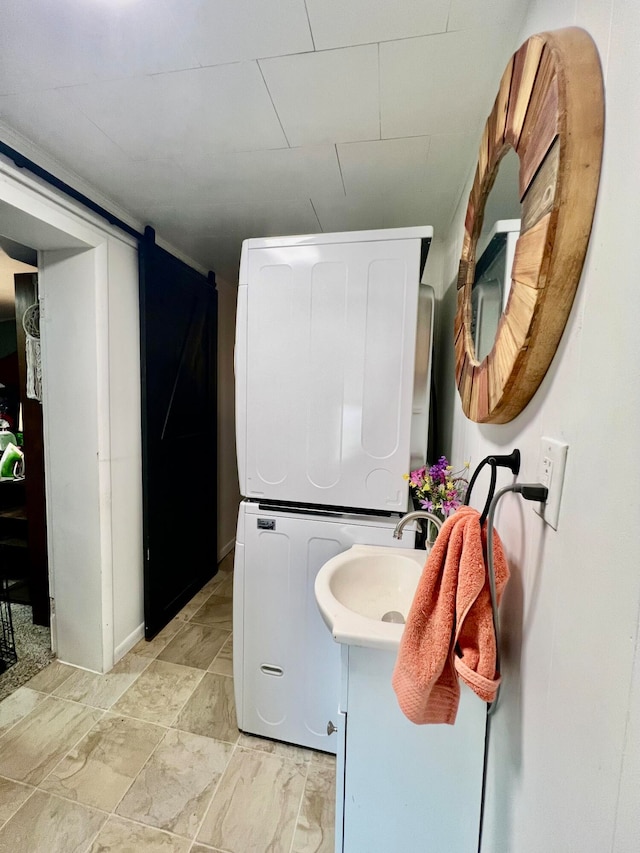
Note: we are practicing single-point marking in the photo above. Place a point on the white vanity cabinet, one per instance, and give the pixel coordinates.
(402, 787)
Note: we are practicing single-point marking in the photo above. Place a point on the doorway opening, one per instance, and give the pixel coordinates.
(23, 543)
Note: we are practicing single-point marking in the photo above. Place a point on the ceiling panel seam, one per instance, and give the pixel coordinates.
(273, 103)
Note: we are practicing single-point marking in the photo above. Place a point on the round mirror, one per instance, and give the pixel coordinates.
(548, 113)
(494, 255)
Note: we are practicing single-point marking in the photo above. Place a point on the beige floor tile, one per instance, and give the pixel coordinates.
(211, 710)
(101, 767)
(315, 830)
(225, 570)
(32, 748)
(274, 747)
(12, 796)
(122, 836)
(224, 586)
(194, 604)
(152, 648)
(204, 848)
(175, 787)
(101, 691)
(255, 805)
(216, 611)
(51, 677)
(48, 824)
(159, 693)
(324, 759)
(210, 585)
(195, 645)
(16, 706)
(223, 661)
(226, 564)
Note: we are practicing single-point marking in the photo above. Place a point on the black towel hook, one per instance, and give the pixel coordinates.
(512, 461)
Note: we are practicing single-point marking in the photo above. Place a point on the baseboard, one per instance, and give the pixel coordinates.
(75, 666)
(128, 643)
(222, 553)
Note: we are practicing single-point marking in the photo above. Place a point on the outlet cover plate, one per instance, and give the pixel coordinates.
(551, 467)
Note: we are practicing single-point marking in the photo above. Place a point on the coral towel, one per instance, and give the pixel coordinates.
(449, 630)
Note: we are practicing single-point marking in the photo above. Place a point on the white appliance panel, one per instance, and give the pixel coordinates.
(319, 671)
(240, 371)
(383, 359)
(273, 574)
(272, 338)
(327, 351)
(422, 377)
(327, 338)
(287, 683)
(238, 620)
(421, 232)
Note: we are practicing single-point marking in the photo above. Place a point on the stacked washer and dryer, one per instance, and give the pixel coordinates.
(333, 364)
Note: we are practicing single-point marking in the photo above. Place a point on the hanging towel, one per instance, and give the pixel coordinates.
(449, 630)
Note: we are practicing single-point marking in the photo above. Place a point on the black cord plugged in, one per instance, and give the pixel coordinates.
(532, 491)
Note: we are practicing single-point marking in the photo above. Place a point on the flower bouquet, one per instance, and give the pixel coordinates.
(438, 489)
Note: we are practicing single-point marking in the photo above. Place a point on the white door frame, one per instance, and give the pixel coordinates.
(73, 265)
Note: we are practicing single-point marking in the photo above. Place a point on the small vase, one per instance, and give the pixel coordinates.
(426, 532)
(431, 533)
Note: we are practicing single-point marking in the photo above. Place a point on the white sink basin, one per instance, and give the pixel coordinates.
(358, 587)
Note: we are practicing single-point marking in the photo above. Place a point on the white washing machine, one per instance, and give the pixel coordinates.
(286, 665)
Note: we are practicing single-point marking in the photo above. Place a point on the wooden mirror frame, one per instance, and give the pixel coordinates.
(550, 110)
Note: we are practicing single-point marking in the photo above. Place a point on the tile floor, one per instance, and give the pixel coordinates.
(148, 757)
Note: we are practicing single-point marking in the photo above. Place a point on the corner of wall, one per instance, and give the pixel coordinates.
(228, 489)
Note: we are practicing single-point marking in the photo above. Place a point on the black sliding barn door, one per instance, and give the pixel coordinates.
(178, 325)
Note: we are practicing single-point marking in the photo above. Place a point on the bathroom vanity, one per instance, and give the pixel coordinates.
(399, 787)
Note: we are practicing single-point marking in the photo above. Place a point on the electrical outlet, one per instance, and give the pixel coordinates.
(551, 465)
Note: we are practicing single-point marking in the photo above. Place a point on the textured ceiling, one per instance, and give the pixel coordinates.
(216, 120)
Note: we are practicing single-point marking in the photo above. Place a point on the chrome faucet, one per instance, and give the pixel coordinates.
(411, 516)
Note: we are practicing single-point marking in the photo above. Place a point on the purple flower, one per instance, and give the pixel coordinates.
(438, 472)
(449, 507)
(437, 488)
(417, 476)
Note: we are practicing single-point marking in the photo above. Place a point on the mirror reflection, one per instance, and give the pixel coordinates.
(494, 255)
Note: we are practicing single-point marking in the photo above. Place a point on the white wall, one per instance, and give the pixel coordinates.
(68, 293)
(91, 407)
(564, 760)
(125, 444)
